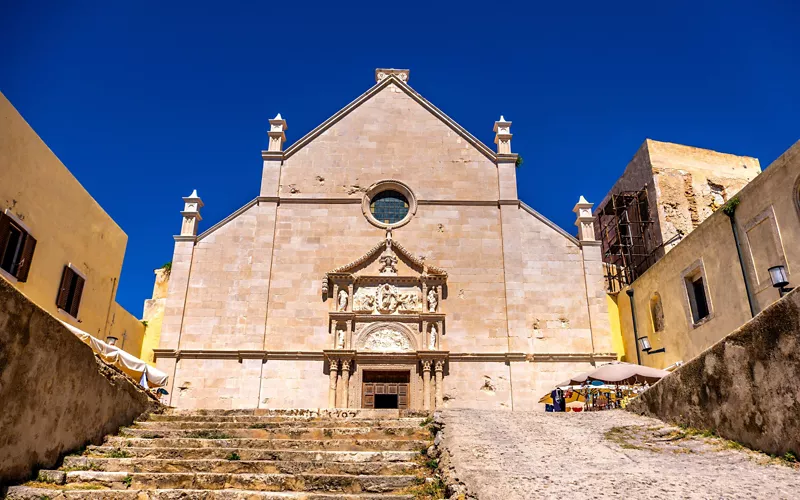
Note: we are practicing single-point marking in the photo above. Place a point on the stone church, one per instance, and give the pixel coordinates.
(386, 262)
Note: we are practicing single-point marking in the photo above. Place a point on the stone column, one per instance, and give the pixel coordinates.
(172, 324)
(332, 388)
(345, 383)
(273, 158)
(439, 382)
(426, 384)
(594, 281)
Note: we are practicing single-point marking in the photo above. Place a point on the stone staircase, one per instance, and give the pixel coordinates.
(250, 454)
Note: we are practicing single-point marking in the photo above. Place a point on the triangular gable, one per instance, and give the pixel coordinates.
(389, 80)
(373, 253)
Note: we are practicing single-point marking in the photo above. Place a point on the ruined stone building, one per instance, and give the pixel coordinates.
(666, 191)
(385, 262)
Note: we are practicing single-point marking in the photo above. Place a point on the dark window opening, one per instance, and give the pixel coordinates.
(70, 292)
(389, 207)
(386, 401)
(697, 298)
(16, 248)
(12, 251)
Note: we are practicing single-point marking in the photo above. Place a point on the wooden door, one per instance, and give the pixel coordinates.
(385, 388)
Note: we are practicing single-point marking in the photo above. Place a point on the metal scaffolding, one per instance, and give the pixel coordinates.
(627, 234)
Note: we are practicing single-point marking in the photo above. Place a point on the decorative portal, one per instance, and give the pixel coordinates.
(388, 309)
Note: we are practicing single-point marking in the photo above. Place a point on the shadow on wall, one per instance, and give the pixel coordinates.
(55, 395)
(745, 387)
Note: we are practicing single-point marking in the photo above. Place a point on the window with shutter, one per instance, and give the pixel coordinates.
(63, 291)
(16, 248)
(27, 257)
(70, 292)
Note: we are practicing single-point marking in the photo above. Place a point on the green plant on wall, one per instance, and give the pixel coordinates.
(730, 208)
(167, 268)
(519, 161)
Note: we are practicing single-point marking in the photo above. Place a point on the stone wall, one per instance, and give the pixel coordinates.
(55, 395)
(744, 387)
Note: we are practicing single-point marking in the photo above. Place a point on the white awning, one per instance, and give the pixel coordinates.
(146, 375)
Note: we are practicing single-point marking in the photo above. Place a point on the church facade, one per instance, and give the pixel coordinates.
(386, 262)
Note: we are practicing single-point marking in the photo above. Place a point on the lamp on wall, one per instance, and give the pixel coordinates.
(779, 279)
(111, 340)
(644, 345)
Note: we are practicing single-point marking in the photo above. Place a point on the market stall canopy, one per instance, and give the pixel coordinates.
(146, 375)
(576, 380)
(627, 374)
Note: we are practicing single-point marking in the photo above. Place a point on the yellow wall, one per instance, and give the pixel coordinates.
(69, 226)
(616, 333)
(772, 198)
(154, 314)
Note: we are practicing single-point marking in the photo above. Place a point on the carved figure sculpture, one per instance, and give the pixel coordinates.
(388, 264)
(432, 340)
(432, 300)
(409, 301)
(342, 300)
(387, 298)
(340, 339)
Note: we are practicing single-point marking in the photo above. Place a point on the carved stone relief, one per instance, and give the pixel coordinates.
(387, 299)
(386, 340)
(342, 300)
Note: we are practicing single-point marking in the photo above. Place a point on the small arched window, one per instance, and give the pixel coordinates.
(657, 313)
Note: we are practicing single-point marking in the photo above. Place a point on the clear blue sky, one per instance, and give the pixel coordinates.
(145, 101)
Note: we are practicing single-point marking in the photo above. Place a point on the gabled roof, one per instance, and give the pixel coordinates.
(390, 80)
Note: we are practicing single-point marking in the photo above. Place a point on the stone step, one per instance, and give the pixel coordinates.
(239, 466)
(343, 413)
(281, 433)
(272, 444)
(251, 454)
(27, 493)
(254, 422)
(253, 482)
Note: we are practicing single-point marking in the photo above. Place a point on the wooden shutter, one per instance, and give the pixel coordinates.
(63, 291)
(5, 223)
(27, 257)
(76, 296)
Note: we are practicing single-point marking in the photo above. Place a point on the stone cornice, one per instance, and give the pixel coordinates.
(380, 356)
(185, 238)
(389, 80)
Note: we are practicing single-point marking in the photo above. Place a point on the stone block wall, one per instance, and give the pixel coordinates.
(745, 387)
(55, 396)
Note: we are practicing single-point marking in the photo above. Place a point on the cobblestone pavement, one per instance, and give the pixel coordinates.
(611, 454)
